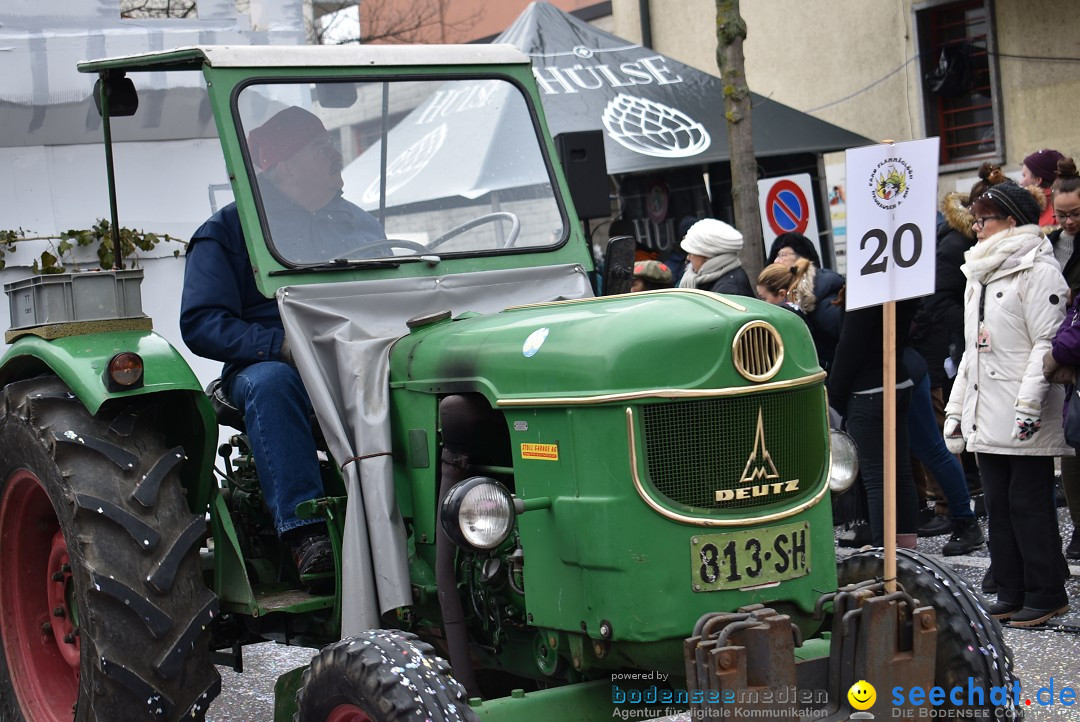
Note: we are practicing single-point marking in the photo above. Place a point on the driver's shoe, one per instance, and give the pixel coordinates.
(313, 555)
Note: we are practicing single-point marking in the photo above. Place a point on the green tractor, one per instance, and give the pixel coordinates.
(543, 504)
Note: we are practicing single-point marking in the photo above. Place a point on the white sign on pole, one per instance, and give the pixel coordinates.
(891, 221)
(787, 206)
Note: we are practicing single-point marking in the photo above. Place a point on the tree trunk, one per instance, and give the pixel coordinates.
(730, 33)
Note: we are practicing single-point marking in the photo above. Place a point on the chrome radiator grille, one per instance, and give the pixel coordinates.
(757, 351)
(697, 450)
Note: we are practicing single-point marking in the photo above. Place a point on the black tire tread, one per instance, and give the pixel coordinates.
(157, 621)
(391, 674)
(145, 536)
(91, 465)
(163, 576)
(146, 490)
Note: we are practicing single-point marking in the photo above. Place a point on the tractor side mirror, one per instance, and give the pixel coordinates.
(120, 92)
(618, 265)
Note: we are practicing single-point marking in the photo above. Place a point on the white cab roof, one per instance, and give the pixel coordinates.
(284, 56)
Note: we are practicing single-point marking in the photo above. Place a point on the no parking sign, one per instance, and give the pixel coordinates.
(787, 206)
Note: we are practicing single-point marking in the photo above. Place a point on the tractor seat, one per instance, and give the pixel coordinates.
(227, 414)
(230, 415)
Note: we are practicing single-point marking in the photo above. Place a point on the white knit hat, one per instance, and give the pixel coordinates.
(711, 237)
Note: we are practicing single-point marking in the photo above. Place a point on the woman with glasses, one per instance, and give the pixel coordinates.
(1013, 303)
(1065, 200)
(937, 334)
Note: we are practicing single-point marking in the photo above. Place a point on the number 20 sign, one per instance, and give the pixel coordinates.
(891, 221)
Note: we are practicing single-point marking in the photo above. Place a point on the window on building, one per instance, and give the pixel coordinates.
(960, 91)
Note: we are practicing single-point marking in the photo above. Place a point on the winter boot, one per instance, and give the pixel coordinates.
(1072, 551)
(938, 525)
(966, 537)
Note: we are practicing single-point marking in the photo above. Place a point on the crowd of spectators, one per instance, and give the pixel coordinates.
(1001, 331)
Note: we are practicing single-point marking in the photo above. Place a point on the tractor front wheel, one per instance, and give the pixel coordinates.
(380, 676)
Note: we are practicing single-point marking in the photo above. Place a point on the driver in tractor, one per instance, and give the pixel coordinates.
(224, 317)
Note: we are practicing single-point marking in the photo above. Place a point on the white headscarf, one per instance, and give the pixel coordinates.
(711, 237)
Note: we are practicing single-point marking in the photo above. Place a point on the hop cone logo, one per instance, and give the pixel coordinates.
(408, 164)
(645, 126)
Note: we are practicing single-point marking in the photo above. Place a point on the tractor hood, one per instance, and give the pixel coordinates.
(673, 341)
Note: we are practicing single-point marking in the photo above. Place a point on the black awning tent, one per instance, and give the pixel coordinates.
(656, 113)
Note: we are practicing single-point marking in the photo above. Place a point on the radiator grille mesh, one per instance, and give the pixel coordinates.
(695, 448)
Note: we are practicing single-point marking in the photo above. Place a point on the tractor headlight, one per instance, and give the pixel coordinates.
(478, 513)
(845, 462)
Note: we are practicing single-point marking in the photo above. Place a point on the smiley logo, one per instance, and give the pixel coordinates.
(862, 695)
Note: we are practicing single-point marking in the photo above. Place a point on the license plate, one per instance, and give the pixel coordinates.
(739, 559)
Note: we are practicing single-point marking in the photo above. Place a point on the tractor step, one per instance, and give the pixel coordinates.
(276, 599)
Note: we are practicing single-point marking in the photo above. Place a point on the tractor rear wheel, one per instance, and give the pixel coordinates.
(103, 610)
(380, 676)
(970, 642)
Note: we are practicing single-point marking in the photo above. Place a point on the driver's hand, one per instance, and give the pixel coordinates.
(286, 352)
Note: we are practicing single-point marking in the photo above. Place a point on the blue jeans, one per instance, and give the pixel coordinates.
(866, 425)
(928, 446)
(277, 414)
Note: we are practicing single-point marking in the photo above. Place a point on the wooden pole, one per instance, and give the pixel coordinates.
(888, 368)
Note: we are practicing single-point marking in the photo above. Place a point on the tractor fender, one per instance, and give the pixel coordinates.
(80, 361)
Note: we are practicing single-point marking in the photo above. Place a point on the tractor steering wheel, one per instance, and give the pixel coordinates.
(515, 228)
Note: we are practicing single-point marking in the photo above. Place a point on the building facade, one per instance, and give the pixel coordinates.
(992, 78)
(468, 21)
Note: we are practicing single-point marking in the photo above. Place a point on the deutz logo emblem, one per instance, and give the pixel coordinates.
(759, 468)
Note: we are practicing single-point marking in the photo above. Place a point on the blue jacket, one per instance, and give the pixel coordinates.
(222, 314)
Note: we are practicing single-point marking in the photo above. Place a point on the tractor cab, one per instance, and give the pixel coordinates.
(440, 173)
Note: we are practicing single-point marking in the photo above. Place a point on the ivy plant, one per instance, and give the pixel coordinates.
(99, 235)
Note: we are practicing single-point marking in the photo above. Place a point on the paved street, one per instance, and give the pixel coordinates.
(1040, 656)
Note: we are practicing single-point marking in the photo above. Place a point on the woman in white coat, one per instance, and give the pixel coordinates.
(1003, 409)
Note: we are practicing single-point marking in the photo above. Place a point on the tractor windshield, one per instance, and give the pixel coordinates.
(347, 170)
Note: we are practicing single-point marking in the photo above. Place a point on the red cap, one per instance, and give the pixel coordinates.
(282, 136)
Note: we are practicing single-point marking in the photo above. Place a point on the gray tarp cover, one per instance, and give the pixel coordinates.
(341, 334)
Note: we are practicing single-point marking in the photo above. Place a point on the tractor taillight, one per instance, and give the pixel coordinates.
(125, 371)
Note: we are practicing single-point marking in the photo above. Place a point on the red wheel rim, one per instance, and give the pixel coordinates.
(347, 713)
(44, 669)
(60, 590)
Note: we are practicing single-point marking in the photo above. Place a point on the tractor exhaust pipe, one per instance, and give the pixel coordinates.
(459, 417)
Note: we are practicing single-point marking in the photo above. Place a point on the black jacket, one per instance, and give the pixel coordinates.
(1072, 266)
(734, 282)
(938, 329)
(826, 318)
(858, 364)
